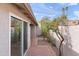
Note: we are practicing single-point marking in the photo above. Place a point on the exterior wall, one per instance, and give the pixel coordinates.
(4, 34)
(32, 31)
(38, 31)
(9, 8)
(70, 45)
(73, 22)
(33, 34)
(5, 11)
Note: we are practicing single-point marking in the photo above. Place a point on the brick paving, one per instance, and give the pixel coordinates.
(41, 48)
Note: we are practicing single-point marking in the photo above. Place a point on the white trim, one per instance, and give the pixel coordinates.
(11, 14)
(9, 35)
(22, 38)
(27, 40)
(28, 36)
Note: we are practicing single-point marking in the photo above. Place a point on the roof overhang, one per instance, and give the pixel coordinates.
(25, 8)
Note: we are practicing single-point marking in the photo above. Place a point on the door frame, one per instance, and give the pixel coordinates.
(10, 15)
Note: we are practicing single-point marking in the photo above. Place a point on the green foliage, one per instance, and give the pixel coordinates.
(54, 24)
(17, 31)
(45, 26)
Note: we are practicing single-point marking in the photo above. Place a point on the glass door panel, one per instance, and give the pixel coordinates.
(25, 38)
(16, 31)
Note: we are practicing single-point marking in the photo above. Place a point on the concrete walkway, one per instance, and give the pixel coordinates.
(41, 48)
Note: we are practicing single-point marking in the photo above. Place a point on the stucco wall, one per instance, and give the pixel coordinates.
(70, 45)
(4, 33)
(33, 35)
(5, 12)
(12, 9)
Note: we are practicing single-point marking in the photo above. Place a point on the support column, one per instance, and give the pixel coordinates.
(28, 35)
(33, 35)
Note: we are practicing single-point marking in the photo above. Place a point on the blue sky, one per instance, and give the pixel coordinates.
(53, 10)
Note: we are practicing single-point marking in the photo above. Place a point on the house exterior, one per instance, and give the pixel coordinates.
(73, 22)
(17, 29)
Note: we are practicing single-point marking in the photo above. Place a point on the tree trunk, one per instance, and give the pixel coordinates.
(57, 35)
(57, 32)
(60, 43)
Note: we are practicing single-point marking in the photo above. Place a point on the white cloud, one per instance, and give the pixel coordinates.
(42, 8)
(51, 15)
(76, 16)
(76, 13)
(72, 18)
(51, 7)
(37, 13)
(42, 16)
(70, 4)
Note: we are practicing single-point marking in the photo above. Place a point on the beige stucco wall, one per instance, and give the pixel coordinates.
(12, 9)
(70, 46)
(4, 33)
(5, 12)
(33, 35)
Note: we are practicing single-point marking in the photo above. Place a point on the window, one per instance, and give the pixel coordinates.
(25, 37)
(16, 31)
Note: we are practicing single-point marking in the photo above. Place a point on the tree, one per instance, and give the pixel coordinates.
(45, 27)
(56, 23)
(54, 26)
(63, 21)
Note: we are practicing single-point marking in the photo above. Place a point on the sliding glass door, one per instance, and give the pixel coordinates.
(16, 35)
(25, 37)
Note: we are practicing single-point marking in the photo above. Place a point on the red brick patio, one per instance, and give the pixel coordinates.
(42, 49)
